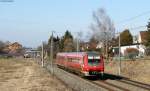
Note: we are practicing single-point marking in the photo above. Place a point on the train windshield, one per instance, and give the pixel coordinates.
(92, 61)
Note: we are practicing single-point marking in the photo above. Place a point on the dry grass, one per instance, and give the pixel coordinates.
(137, 70)
(26, 75)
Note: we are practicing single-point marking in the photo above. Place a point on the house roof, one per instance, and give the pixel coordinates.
(143, 35)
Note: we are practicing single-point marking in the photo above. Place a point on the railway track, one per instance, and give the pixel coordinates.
(116, 83)
(108, 83)
(110, 86)
(115, 86)
(137, 84)
(106, 86)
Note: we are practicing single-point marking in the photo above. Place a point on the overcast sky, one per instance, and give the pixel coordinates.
(31, 21)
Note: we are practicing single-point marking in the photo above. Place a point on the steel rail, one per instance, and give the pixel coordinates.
(135, 84)
(113, 85)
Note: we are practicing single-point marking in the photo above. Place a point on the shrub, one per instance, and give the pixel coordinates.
(147, 51)
(131, 53)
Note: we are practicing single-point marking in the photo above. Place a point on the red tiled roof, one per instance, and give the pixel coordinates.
(143, 35)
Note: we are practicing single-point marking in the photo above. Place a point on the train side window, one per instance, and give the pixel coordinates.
(76, 60)
(69, 59)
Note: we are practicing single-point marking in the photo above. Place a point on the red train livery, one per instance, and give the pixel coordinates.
(82, 63)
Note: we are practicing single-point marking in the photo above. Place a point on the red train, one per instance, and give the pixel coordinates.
(82, 63)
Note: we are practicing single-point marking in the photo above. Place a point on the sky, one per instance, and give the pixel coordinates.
(30, 22)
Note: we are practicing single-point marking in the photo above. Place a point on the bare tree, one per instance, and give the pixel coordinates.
(77, 40)
(103, 28)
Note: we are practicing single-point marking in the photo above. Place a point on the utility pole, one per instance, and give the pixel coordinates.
(77, 45)
(119, 69)
(51, 53)
(106, 44)
(106, 48)
(42, 54)
(78, 41)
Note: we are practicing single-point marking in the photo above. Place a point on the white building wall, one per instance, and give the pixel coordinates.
(139, 38)
(141, 49)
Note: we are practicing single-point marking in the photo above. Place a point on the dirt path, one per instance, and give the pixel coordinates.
(26, 75)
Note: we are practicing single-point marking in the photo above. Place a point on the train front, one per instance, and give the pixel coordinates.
(93, 65)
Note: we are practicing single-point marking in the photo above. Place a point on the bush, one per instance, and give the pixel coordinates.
(131, 53)
(147, 51)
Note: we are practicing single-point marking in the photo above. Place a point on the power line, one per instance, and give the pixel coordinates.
(135, 28)
(135, 17)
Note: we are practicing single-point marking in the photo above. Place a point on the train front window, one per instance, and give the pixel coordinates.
(93, 62)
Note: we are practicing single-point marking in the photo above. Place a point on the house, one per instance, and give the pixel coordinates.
(31, 52)
(139, 47)
(99, 45)
(15, 49)
(84, 46)
(14, 46)
(142, 37)
(137, 43)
